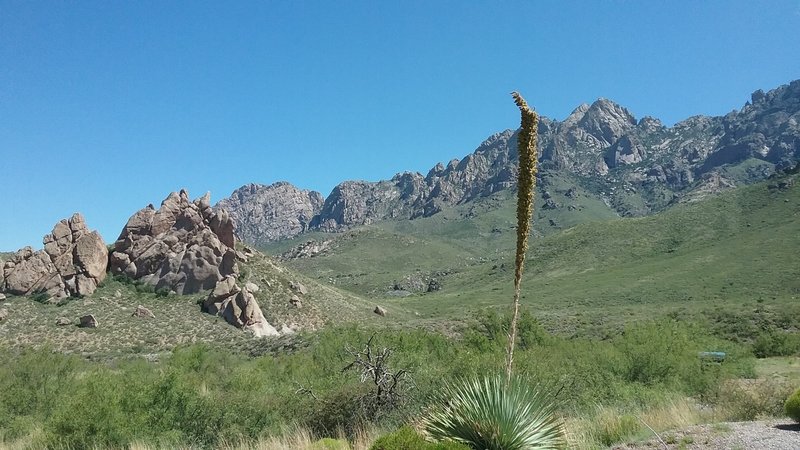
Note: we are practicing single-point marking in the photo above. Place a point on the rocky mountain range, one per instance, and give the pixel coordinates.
(602, 145)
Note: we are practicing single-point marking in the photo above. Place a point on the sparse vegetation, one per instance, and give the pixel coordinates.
(248, 399)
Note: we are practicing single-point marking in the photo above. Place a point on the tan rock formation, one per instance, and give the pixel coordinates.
(73, 262)
(183, 246)
(239, 307)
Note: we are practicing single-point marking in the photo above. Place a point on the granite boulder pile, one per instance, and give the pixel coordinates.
(183, 247)
(73, 262)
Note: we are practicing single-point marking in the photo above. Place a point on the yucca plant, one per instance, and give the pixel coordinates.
(495, 414)
(503, 413)
(526, 182)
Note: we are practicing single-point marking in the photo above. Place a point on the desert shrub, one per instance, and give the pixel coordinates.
(162, 292)
(96, 414)
(491, 331)
(667, 353)
(41, 297)
(610, 428)
(330, 444)
(337, 412)
(488, 414)
(776, 342)
(32, 381)
(792, 406)
(246, 398)
(745, 400)
(406, 438)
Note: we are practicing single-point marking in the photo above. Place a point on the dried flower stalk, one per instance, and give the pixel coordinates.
(526, 182)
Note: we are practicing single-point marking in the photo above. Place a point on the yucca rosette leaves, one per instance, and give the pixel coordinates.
(492, 414)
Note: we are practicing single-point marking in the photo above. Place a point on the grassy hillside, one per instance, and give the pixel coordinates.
(178, 319)
(730, 253)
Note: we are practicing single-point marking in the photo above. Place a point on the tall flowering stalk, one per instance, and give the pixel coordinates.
(526, 183)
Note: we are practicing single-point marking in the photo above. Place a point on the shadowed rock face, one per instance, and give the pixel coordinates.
(183, 246)
(73, 262)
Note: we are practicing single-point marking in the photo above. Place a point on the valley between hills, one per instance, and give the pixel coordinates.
(220, 326)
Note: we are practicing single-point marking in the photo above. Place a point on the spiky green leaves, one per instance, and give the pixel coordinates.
(487, 414)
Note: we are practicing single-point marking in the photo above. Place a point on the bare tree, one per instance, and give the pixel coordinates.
(389, 388)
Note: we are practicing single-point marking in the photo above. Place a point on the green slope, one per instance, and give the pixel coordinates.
(733, 251)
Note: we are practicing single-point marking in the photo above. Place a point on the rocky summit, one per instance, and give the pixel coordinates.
(72, 263)
(184, 246)
(271, 212)
(602, 145)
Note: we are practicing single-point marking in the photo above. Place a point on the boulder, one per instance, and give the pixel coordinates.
(299, 288)
(143, 312)
(2, 296)
(309, 249)
(295, 302)
(184, 246)
(3, 314)
(63, 321)
(73, 262)
(239, 307)
(88, 321)
(380, 311)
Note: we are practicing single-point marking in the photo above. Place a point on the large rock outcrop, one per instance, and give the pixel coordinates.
(73, 262)
(266, 213)
(184, 246)
(238, 306)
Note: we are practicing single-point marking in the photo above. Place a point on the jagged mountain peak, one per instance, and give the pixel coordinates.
(601, 143)
(607, 121)
(576, 115)
(500, 138)
(263, 213)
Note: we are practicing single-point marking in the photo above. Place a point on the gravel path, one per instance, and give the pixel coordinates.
(763, 435)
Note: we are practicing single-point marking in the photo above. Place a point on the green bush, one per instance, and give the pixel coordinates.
(776, 343)
(792, 406)
(491, 331)
(611, 429)
(41, 297)
(339, 411)
(406, 438)
(330, 444)
(488, 414)
(753, 400)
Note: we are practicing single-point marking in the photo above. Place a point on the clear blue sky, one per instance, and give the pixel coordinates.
(108, 106)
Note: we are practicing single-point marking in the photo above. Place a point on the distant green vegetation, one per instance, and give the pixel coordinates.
(202, 396)
(731, 260)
